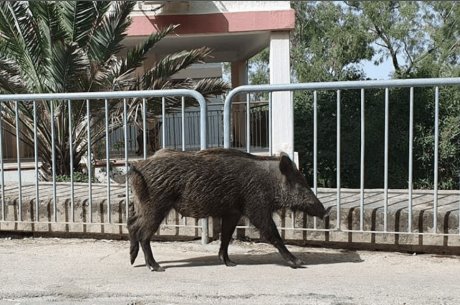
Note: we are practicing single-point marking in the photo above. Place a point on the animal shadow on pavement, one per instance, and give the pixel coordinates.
(309, 258)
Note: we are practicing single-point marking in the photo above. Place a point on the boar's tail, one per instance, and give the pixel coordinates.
(121, 178)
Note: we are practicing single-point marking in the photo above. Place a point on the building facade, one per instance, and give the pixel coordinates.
(235, 31)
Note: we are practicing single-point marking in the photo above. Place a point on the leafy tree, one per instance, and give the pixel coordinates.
(325, 43)
(74, 46)
(258, 68)
(413, 35)
(327, 47)
(421, 39)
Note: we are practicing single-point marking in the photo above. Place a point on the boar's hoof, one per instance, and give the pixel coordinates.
(229, 263)
(297, 263)
(134, 250)
(156, 268)
(224, 258)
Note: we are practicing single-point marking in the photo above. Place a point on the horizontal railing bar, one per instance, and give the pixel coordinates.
(238, 227)
(101, 95)
(344, 85)
(333, 230)
(87, 223)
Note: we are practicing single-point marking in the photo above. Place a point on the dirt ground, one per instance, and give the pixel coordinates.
(86, 271)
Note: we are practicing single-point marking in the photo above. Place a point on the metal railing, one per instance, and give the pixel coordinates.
(258, 114)
(91, 189)
(174, 138)
(28, 104)
(339, 87)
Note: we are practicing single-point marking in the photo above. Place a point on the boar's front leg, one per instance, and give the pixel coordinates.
(268, 230)
(229, 223)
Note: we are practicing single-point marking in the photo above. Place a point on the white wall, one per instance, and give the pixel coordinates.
(209, 7)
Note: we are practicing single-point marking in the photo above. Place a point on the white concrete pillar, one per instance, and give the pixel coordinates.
(283, 106)
(239, 70)
(239, 73)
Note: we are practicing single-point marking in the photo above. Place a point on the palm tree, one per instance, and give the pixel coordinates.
(74, 46)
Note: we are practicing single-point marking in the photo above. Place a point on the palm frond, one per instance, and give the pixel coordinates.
(211, 86)
(107, 36)
(25, 42)
(170, 65)
(136, 56)
(10, 76)
(68, 67)
(78, 19)
(48, 16)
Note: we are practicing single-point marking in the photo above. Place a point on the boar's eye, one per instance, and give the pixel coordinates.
(302, 187)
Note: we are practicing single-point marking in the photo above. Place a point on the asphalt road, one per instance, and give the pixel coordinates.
(85, 271)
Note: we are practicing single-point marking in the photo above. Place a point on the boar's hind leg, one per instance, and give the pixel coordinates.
(268, 230)
(229, 223)
(133, 229)
(145, 234)
(149, 260)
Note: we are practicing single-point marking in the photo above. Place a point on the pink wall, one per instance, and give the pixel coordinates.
(215, 23)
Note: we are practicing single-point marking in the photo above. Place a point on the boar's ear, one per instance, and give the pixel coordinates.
(286, 165)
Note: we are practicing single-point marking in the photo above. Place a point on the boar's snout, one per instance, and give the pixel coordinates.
(318, 209)
(314, 207)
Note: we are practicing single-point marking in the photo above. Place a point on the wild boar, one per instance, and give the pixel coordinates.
(225, 183)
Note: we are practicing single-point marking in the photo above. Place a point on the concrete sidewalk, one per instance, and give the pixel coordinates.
(83, 271)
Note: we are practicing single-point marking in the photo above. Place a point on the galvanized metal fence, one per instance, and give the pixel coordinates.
(366, 197)
(32, 198)
(258, 119)
(42, 197)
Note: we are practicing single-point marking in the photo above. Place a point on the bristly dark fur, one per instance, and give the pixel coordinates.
(224, 183)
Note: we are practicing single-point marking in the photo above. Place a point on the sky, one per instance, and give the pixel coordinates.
(381, 71)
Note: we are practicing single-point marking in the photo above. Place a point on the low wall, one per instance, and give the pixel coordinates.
(296, 228)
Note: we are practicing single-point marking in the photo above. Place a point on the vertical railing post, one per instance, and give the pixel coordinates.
(385, 169)
(203, 145)
(183, 122)
(436, 153)
(72, 187)
(270, 120)
(88, 162)
(107, 158)
(37, 195)
(411, 147)
(338, 161)
(18, 160)
(315, 148)
(163, 125)
(2, 176)
(53, 157)
(144, 129)
(248, 123)
(125, 136)
(362, 160)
